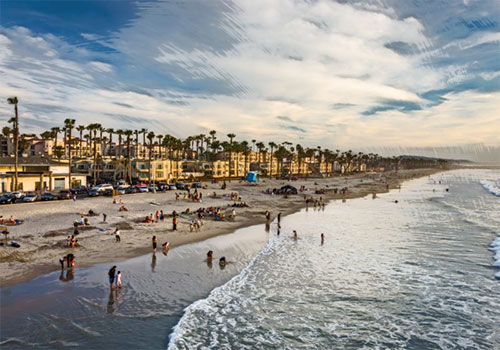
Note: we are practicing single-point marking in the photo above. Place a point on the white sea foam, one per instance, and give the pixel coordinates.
(491, 186)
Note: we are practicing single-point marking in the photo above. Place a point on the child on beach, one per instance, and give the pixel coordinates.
(166, 247)
(117, 235)
(119, 280)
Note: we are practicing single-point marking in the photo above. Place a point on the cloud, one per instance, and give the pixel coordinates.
(344, 75)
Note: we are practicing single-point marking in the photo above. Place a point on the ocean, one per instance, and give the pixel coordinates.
(416, 268)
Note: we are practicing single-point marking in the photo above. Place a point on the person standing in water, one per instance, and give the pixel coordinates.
(119, 280)
(111, 275)
(295, 237)
(279, 218)
(155, 242)
(322, 238)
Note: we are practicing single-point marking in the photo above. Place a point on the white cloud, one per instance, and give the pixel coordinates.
(272, 58)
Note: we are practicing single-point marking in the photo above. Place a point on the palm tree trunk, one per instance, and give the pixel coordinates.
(16, 142)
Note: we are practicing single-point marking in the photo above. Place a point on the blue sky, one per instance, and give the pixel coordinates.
(343, 74)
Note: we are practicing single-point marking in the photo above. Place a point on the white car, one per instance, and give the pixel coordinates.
(30, 197)
(103, 187)
(18, 194)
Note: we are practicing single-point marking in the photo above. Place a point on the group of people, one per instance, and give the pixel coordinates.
(165, 245)
(115, 278)
(222, 260)
(10, 221)
(72, 242)
(69, 259)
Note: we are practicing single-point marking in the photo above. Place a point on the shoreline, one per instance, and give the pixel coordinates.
(27, 263)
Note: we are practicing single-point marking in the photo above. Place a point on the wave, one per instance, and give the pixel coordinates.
(188, 320)
(491, 186)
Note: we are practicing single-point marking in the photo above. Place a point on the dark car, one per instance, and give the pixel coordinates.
(7, 198)
(180, 186)
(107, 192)
(131, 189)
(64, 194)
(47, 196)
(94, 193)
(80, 190)
(197, 185)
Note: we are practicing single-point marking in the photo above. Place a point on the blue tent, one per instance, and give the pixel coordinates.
(252, 176)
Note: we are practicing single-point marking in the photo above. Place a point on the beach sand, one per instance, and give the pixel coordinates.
(46, 225)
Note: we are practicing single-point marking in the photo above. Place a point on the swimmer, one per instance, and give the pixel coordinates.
(155, 242)
(295, 235)
(210, 255)
(222, 261)
(166, 247)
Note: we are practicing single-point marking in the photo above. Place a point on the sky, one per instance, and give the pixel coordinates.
(383, 75)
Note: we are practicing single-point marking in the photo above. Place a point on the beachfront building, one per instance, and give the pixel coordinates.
(37, 174)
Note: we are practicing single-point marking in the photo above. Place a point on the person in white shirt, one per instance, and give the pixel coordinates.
(119, 280)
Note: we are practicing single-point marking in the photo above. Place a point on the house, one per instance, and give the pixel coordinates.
(37, 173)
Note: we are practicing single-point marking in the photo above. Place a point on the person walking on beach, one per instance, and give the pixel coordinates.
(117, 235)
(155, 243)
(295, 237)
(104, 216)
(174, 223)
(279, 218)
(111, 274)
(322, 238)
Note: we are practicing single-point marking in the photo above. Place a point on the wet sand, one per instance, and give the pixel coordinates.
(47, 224)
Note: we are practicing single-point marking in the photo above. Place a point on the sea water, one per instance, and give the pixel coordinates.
(411, 274)
(416, 274)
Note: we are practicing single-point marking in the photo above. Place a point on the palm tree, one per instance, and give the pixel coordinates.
(159, 137)
(15, 121)
(129, 134)
(231, 136)
(69, 124)
(260, 147)
(243, 147)
(272, 145)
(120, 135)
(58, 152)
(150, 136)
(55, 132)
(136, 132)
(80, 128)
(300, 155)
(143, 132)
(111, 131)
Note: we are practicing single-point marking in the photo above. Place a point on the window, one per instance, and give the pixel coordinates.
(159, 175)
(159, 166)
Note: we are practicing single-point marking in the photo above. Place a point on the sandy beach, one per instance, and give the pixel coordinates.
(47, 225)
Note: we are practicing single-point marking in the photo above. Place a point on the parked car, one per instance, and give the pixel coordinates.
(30, 197)
(94, 193)
(18, 194)
(47, 196)
(180, 186)
(197, 185)
(64, 194)
(172, 187)
(107, 192)
(121, 190)
(102, 187)
(80, 190)
(153, 188)
(7, 198)
(142, 188)
(130, 190)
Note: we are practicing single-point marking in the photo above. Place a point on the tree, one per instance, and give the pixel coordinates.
(80, 128)
(55, 132)
(143, 132)
(58, 152)
(129, 134)
(69, 124)
(15, 121)
(231, 137)
(119, 132)
(110, 144)
(150, 136)
(272, 145)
